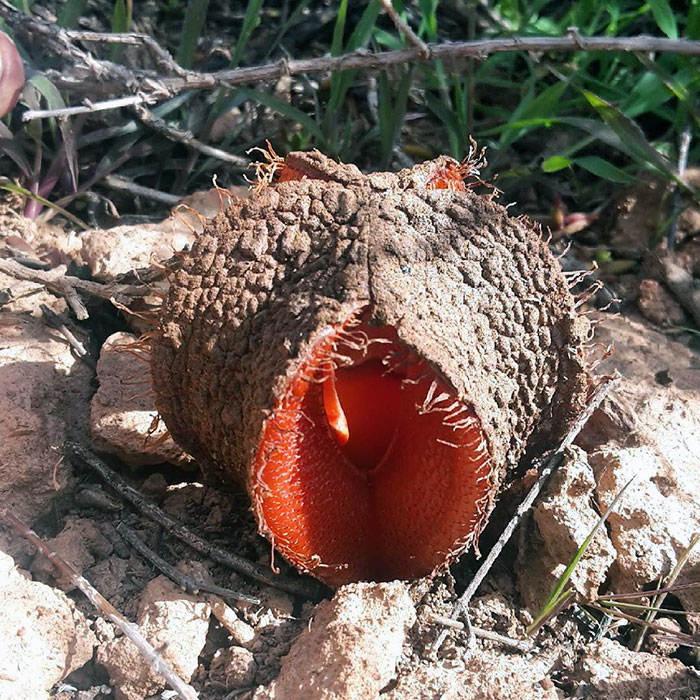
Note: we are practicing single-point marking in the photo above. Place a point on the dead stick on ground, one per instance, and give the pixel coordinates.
(114, 78)
(174, 574)
(159, 125)
(236, 563)
(130, 630)
(553, 463)
(406, 30)
(482, 634)
(68, 286)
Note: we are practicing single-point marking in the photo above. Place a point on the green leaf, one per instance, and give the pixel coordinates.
(602, 168)
(555, 163)
(633, 138)
(250, 22)
(195, 15)
(663, 14)
(285, 109)
(560, 593)
(54, 101)
(71, 13)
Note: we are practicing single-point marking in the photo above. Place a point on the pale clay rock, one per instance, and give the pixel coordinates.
(351, 648)
(664, 421)
(44, 391)
(122, 412)
(79, 543)
(564, 517)
(613, 672)
(114, 251)
(173, 622)
(118, 250)
(488, 675)
(654, 521)
(43, 637)
(241, 632)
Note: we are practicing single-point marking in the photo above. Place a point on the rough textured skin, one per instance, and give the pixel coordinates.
(470, 289)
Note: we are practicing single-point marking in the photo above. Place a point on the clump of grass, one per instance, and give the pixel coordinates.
(617, 608)
(557, 124)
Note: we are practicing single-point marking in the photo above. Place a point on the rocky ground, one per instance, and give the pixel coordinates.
(366, 640)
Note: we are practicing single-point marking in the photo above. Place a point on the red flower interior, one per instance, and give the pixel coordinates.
(370, 467)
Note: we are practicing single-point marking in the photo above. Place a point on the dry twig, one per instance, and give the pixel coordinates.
(58, 282)
(406, 30)
(100, 78)
(117, 182)
(552, 464)
(54, 320)
(482, 634)
(683, 285)
(130, 630)
(683, 148)
(159, 125)
(239, 564)
(174, 574)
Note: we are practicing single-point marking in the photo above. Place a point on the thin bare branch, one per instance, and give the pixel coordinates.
(406, 30)
(683, 149)
(130, 630)
(58, 282)
(108, 78)
(552, 464)
(87, 108)
(117, 182)
(482, 633)
(54, 320)
(174, 574)
(683, 285)
(304, 587)
(147, 117)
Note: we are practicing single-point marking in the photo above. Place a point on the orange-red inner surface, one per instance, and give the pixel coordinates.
(357, 477)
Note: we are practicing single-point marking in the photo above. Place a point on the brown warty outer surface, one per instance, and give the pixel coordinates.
(371, 356)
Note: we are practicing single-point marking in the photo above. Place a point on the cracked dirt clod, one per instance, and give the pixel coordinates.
(370, 355)
(175, 623)
(43, 637)
(563, 517)
(351, 647)
(122, 411)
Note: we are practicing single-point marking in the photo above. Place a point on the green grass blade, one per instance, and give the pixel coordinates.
(604, 169)
(665, 19)
(70, 13)
(339, 29)
(195, 15)
(17, 189)
(121, 22)
(251, 20)
(559, 591)
(670, 580)
(633, 138)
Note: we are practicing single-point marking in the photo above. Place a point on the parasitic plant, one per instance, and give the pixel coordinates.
(371, 356)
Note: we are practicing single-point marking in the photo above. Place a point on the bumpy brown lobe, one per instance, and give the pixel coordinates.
(474, 292)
